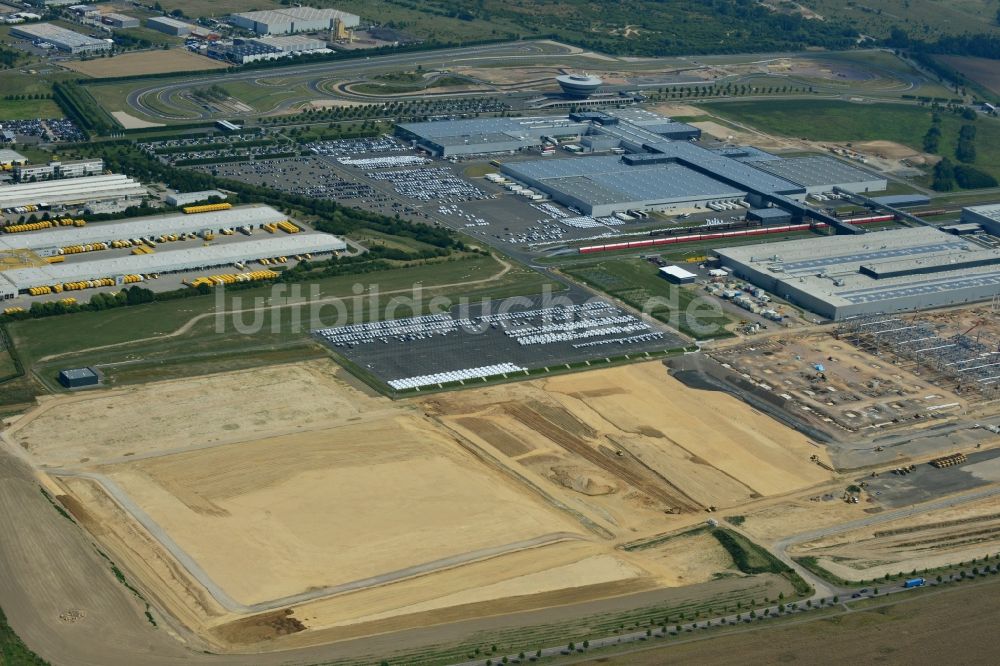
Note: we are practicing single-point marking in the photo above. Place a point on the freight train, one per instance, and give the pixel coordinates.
(720, 235)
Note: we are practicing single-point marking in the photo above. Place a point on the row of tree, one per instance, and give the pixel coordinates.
(948, 176)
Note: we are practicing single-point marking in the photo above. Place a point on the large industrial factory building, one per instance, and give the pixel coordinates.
(663, 169)
(888, 271)
(62, 38)
(602, 186)
(287, 20)
(72, 191)
(987, 217)
(42, 244)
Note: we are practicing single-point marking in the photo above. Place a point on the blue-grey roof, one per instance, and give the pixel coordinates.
(770, 213)
(605, 180)
(900, 200)
(816, 171)
(940, 245)
(513, 127)
(746, 154)
(78, 373)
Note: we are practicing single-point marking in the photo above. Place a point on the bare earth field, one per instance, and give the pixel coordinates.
(129, 121)
(282, 501)
(926, 541)
(981, 70)
(856, 392)
(145, 62)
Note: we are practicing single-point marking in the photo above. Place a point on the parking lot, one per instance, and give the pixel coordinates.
(515, 335)
(384, 175)
(60, 129)
(235, 148)
(925, 482)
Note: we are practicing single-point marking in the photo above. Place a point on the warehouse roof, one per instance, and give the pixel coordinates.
(770, 213)
(172, 22)
(816, 171)
(607, 180)
(8, 156)
(746, 154)
(291, 42)
(203, 257)
(119, 17)
(141, 227)
(287, 14)
(56, 34)
(78, 373)
(990, 211)
(481, 127)
(677, 272)
(653, 122)
(726, 169)
(185, 198)
(902, 200)
(914, 261)
(70, 190)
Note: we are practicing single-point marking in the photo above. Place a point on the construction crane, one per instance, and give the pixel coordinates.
(971, 329)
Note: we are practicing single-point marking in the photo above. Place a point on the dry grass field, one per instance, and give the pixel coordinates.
(943, 627)
(283, 500)
(145, 62)
(981, 70)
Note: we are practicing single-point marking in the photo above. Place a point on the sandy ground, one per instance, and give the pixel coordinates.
(285, 487)
(794, 516)
(675, 109)
(889, 149)
(760, 140)
(925, 541)
(857, 392)
(176, 415)
(131, 122)
(145, 62)
(323, 508)
(629, 444)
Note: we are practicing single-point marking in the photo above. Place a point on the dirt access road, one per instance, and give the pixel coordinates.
(49, 567)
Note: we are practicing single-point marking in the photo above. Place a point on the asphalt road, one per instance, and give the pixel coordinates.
(479, 55)
(823, 595)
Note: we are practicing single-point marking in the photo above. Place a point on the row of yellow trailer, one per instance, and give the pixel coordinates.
(43, 224)
(232, 278)
(16, 310)
(284, 225)
(206, 208)
(79, 249)
(83, 284)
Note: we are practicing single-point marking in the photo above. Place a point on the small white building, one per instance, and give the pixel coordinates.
(188, 198)
(677, 275)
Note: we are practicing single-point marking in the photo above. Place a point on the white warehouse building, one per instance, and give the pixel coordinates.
(72, 191)
(17, 281)
(47, 243)
(62, 38)
(165, 259)
(287, 20)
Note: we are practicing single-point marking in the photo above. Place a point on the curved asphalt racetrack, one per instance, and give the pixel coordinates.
(166, 94)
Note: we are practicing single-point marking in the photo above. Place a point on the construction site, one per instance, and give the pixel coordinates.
(925, 542)
(840, 387)
(527, 493)
(956, 349)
